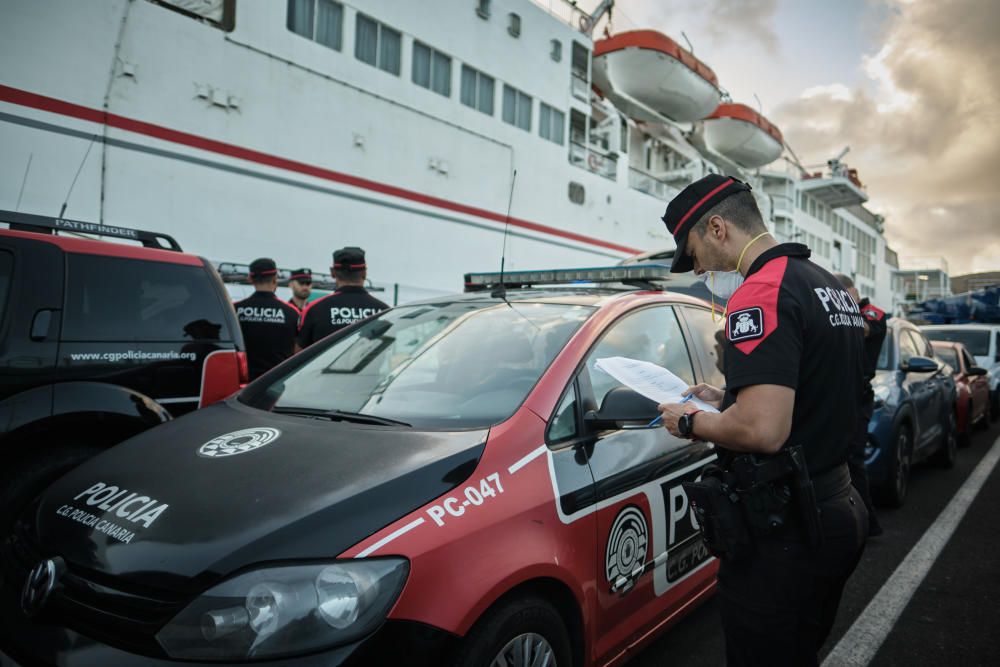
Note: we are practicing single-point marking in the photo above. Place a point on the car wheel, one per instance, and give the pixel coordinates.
(945, 457)
(524, 632)
(28, 477)
(965, 435)
(989, 415)
(894, 491)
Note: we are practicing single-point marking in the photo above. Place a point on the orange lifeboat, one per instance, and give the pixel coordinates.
(643, 70)
(744, 136)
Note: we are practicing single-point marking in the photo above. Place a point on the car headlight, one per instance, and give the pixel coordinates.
(881, 395)
(281, 611)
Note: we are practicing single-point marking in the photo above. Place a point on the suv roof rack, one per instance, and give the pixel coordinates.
(639, 275)
(30, 222)
(234, 272)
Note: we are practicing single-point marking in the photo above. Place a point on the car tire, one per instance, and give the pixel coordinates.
(517, 632)
(946, 456)
(23, 480)
(988, 417)
(893, 492)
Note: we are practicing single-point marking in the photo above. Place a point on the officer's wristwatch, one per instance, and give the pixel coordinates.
(686, 424)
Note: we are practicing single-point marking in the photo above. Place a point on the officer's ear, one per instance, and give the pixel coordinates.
(717, 228)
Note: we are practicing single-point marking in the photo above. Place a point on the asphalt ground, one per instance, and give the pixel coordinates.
(954, 615)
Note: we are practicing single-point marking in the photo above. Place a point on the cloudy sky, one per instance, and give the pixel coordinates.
(912, 86)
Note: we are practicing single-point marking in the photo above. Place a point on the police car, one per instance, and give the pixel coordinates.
(449, 482)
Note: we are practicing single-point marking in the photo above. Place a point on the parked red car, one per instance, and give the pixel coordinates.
(971, 385)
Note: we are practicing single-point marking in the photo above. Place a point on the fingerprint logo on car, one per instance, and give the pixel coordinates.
(627, 543)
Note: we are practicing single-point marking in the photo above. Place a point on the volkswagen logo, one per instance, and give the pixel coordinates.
(238, 442)
(39, 585)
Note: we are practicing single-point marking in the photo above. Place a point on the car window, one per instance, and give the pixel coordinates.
(6, 271)
(948, 356)
(977, 341)
(653, 335)
(710, 339)
(465, 364)
(118, 299)
(563, 424)
(907, 348)
(923, 345)
(885, 354)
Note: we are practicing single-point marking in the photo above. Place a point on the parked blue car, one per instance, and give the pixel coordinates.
(914, 417)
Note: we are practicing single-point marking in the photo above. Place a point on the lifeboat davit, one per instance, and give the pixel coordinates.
(744, 136)
(648, 67)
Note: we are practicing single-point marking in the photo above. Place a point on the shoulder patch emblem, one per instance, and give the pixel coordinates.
(872, 313)
(745, 324)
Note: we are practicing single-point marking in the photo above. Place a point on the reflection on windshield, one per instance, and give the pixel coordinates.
(978, 342)
(441, 365)
(883, 354)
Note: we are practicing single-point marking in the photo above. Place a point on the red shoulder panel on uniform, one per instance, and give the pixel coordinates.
(752, 313)
(873, 313)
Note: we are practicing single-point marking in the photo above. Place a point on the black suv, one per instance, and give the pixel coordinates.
(100, 340)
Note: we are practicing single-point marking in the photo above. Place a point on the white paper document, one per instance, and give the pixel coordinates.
(652, 381)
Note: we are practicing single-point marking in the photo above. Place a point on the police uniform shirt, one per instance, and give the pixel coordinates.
(877, 326)
(793, 324)
(334, 312)
(269, 326)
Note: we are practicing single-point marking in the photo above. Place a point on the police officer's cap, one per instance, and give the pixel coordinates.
(302, 275)
(262, 267)
(350, 258)
(687, 208)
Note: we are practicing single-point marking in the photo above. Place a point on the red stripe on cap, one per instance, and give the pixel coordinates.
(269, 272)
(700, 202)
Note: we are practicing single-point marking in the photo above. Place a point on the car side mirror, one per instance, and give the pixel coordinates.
(919, 365)
(621, 404)
(977, 370)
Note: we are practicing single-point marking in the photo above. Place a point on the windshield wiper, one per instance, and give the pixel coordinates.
(341, 415)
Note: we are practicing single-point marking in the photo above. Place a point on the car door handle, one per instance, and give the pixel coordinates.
(40, 324)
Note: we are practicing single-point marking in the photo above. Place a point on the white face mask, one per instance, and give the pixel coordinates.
(722, 284)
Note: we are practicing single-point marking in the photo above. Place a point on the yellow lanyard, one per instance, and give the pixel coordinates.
(738, 263)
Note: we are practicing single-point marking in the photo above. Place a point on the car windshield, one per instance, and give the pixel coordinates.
(947, 355)
(442, 365)
(885, 353)
(977, 341)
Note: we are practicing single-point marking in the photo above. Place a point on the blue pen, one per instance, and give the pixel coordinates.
(660, 418)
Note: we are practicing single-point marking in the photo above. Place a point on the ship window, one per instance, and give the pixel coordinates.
(581, 61)
(551, 123)
(577, 194)
(377, 44)
(477, 90)
(319, 20)
(431, 69)
(556, 52)
(516, 108)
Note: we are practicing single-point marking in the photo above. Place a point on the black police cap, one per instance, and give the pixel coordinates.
(264, 266)
(686, 209)
(350, 258)
(302, 275)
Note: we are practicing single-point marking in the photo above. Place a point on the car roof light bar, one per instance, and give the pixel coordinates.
(30, 222)
(641, 274)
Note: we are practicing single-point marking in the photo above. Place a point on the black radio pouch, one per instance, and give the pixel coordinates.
(717, 505)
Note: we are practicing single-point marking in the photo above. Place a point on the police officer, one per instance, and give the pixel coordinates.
(300, 283)
(794, 371)
(349, 304)
(875, 330)
(269, 324)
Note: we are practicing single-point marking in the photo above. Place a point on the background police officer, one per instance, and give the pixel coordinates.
(269, 324)
(349, 304)
(301, 285)
(875, 330)
(794, 372)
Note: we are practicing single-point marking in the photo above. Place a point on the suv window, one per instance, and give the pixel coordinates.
(976, 340)
(907, 348)
(653, 335)
(118, 299)
(6, 271)
(711, 338)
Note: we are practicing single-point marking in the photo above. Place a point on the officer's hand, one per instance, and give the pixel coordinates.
(671, 414)
(706, 392)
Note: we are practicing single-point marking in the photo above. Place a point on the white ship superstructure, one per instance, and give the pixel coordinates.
(291, 127)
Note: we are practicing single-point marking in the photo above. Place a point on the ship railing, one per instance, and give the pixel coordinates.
(643, 181)
(783, 204)
(579, 87)
(593, 160)
(567, 12)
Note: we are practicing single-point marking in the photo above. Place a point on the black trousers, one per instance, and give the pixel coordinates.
(779, 605)
(856, 457)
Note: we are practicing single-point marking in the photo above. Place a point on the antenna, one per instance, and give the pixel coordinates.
(78, 170)
(760, 107)
(690, 45)
(24, 180)
(501, 290)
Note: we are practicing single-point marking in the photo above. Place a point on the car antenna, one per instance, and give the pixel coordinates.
(501, 291)
(78, 170)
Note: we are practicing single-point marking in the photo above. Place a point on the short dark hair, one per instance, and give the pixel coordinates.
(740, 209)
(260, 279)
(844, 280)
(349, 275)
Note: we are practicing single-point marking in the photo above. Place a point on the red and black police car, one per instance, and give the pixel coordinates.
(448, 482)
